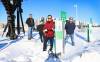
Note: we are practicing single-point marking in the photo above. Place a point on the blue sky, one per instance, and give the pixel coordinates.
(86, 9)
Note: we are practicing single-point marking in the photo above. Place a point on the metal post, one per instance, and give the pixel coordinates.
(88, 33)
(18, 22)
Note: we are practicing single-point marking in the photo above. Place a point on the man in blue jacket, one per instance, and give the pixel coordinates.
(70, 27)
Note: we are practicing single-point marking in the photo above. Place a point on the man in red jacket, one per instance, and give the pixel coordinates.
(48, 31)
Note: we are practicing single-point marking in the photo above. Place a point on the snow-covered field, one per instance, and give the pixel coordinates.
(24, 50)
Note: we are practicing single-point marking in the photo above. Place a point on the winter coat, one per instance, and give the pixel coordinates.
(49, 26)
(40, 27)
(30, 22)
(70, 27)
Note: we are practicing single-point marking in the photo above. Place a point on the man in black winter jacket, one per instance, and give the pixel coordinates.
(70, 27)
(30, 23)
(40, 29)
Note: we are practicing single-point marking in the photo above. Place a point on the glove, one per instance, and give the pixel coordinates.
(45, 30)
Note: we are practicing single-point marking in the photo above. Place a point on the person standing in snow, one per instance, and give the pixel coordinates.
(69, 28)
(30, 23)
(48, 31)
(40, 29)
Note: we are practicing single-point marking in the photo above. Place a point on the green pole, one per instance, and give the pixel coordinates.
(88, 33)
(63, 19)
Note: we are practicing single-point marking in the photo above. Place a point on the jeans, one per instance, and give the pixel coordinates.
(45, 43)
(71, 36)
(30, 33)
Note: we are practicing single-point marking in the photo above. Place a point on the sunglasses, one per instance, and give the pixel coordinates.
(49, 18)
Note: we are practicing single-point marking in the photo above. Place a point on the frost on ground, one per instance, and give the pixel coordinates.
(25, 50)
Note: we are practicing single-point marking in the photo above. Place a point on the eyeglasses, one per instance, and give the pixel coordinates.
(49, 18)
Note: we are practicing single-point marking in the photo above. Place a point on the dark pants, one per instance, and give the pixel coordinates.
(41, 36)
(45, 43)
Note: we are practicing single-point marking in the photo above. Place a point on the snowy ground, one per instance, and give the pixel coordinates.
(24, 50)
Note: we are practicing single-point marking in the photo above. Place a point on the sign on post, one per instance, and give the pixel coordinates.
(63, 16)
